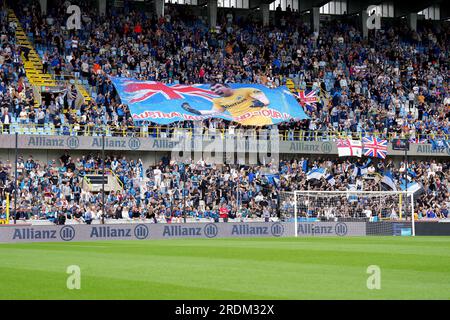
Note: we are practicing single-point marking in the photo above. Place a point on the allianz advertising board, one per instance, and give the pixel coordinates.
(184, 143)
(146, 231)
(327, 229)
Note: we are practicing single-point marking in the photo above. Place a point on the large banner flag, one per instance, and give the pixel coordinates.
(349, 148)
(374, 147)
(248, 104)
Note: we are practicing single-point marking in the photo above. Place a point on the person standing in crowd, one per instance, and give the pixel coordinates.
(223, 212)
(266, 214)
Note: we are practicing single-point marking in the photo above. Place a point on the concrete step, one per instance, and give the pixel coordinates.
(33, 67)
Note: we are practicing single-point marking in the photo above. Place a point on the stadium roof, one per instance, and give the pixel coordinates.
(401, 7)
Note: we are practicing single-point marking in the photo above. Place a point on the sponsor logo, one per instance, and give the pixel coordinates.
(303, 146)
(45, 142)
(311, 229)
(245, 229)
(110, 232)
(341, 229)
(134, 143)
(427, 148)
(165, 144)
(210, 230)
(31, 234)
(141, 231)
(67, 233)
(109, 143)
(326, 147)
(277, 229)
(73, 142)
(180, 231)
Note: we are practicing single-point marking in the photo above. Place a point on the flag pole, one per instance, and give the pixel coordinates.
(7, 208)
(182, 192)
(406, 177)
(103, 179)
(15, 180)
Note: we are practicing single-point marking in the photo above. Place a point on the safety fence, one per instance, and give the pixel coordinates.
(162, 132)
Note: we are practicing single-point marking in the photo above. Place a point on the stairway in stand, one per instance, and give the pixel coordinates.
(33, 67)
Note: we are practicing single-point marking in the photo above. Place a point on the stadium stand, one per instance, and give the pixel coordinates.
(393, 85)
(170, 189)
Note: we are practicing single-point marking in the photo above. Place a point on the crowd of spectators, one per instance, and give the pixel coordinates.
(16, 95)
(394, 83)
(173, 191)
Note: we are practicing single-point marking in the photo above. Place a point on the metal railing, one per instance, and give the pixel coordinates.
(95, 171)
(86, 180)
(117, 178)
(162, 132)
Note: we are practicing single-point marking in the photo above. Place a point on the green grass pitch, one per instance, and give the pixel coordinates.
(252, 268)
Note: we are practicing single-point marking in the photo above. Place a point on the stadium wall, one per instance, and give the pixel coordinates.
(148, 231)
(433, 229)
(150, 149)
(147, 157)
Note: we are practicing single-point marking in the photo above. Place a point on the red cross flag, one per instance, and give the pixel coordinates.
(349, 148)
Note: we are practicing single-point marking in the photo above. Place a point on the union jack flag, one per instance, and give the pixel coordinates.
(374, 147)
(142, 91)
(308, 99)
